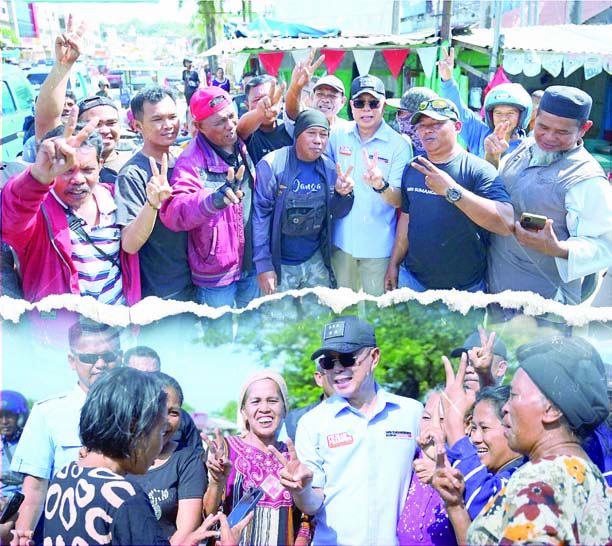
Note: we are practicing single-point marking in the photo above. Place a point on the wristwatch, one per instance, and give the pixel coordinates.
(453, 195)
(383, 189)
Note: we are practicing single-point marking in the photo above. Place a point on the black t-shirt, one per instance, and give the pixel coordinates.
(445, 248)
(191, 80)
(263, 142)
(164, 266)
(95, 506)
(182, 476)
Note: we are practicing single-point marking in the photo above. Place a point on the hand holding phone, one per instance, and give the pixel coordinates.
(534, 222)
(245, 506)
(11, 507)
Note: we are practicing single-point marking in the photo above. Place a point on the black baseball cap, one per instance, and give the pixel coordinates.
(345, 334)
(93, 102)
(438, 108)
(473, 340)
(368, 84)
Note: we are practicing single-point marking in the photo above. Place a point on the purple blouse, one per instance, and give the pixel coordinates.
(423, 519)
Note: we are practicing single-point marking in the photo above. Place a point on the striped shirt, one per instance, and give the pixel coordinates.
(99, 277)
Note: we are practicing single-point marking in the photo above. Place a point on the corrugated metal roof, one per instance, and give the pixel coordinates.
(381, 41)
(591, 39)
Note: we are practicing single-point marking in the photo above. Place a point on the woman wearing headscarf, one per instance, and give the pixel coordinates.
(558, 395)
(239, 462)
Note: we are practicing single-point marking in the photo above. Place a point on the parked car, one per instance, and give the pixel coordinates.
(115, 78)
(79, 82)
(17, 103)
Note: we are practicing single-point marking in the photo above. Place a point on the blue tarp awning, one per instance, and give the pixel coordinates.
(263, 27)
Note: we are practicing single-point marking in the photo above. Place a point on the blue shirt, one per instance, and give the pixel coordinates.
(368, 230)
(363, 464)
(50, 439)
(474, 130)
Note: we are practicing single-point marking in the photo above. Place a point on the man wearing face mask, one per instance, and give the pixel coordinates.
(406, 106)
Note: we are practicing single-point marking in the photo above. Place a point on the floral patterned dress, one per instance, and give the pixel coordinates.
(556, 500)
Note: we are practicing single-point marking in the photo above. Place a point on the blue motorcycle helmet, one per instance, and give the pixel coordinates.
(511, 94)
(15, 402)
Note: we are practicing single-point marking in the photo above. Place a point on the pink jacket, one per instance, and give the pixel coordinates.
(35, 225)
(216, 237)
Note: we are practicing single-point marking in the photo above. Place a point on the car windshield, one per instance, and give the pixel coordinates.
(37, 78)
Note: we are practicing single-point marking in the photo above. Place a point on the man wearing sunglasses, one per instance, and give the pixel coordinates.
(50, 439)
(355, 449)
(451, 201)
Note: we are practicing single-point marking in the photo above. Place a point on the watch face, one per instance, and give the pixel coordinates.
(453, 195)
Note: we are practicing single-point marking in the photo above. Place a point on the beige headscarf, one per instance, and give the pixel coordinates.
(257, 376)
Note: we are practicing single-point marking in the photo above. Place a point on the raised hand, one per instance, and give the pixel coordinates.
(435, 179)
(304, 70)
(481, 357)
(432, 432)
(269, 106)
(268, 282)
(68, 45)
(58, 155)
(158, 189)
(22, 538)
(294, 476)
(230, 192)
(447, 481)
(446, 64)
(344, 182)
(219, 466)
(424, 468)
(456, 400)
(373, 175)
(495, 144)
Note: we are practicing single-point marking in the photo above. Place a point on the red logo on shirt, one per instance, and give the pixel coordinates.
(338, 440)
(345, 150)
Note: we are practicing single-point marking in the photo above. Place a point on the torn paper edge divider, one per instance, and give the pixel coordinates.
(152, 309)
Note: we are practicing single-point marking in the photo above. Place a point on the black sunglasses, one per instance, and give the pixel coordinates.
(346, 360)
(92, 358)
(360, 103)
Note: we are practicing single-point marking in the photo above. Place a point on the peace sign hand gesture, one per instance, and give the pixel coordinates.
(455, 398)
(294, 476)
(219, 466)
(446, 64)
(373, 175)
(58, 155)
(68, 45)
(158, 189)
(482, 357)
(435, 179)
(304, 70)
(230, 192)
(270, 105)
(344, 182)
(495, 144)
(448, 481)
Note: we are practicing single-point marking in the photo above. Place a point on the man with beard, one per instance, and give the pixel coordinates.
(164, 268)
(552, 175)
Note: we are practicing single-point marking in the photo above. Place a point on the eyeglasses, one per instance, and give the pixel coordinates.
(92, 358)
(439, 105)
(346, 360)
(360, 103)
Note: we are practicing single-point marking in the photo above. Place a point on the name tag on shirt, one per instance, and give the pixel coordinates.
(380, 159)
(345, 150)
(399, 434)
(338, 440)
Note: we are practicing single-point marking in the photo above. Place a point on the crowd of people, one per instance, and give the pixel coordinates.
(290, 195)
(485, 459)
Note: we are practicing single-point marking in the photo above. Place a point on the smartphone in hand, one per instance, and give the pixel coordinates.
(245, 505)
(11, 507)
(534, 222)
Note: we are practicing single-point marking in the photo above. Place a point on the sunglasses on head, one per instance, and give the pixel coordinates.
(346, 360)
(360, 103)
(436, 104)
(92, 358)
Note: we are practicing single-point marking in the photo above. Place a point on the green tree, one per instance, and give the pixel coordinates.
(229, 412)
